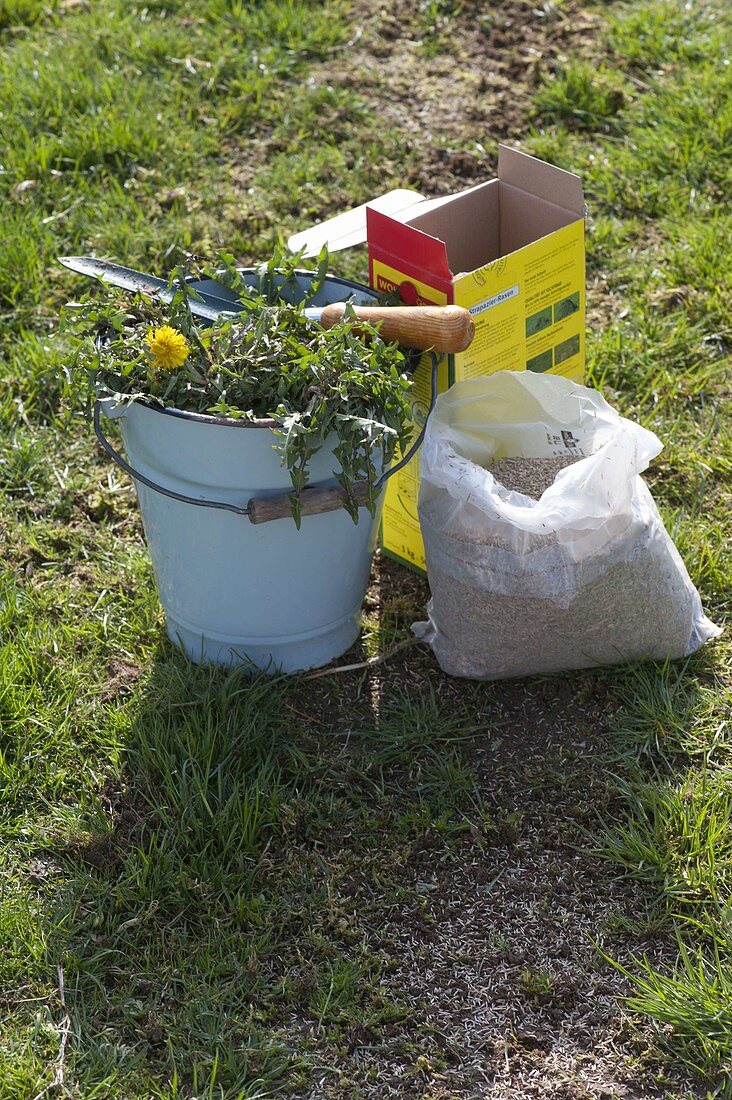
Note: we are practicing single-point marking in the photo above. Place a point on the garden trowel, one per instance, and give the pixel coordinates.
(442, 328)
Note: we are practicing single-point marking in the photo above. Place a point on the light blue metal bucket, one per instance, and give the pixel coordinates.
(234, 592)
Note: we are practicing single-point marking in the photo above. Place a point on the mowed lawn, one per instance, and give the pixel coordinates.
(383, 883)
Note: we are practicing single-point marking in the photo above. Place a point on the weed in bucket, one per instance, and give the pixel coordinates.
(265, 364)
(215, 417)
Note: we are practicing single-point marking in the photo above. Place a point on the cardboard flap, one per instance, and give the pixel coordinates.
(349, 228)
(525, 218)
(393, 238)
(469, 226)
(536, 177)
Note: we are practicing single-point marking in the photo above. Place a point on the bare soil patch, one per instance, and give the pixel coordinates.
(474, 92)
(129, 817)
(451, 86)
(495, 955)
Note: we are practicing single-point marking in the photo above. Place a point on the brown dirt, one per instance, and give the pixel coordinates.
(475, 92)
(121, 678)
(499, 972)
(129, 817)
(493, 956)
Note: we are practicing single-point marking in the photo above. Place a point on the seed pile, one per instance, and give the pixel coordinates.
(637, 603)
(531, 476)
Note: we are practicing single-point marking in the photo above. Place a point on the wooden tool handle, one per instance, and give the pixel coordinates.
(313, 502)
(444, 328)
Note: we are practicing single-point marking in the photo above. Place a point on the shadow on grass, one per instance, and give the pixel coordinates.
(219, 911)
(204, 913)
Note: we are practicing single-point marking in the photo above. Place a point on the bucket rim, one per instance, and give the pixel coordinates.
(206, 418)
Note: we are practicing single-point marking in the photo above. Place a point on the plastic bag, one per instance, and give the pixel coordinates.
(586, 575)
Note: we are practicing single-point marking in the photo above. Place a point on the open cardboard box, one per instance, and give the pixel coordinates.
(511, 251)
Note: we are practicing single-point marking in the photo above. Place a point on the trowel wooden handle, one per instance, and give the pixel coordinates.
(444, 328)
(313, 502)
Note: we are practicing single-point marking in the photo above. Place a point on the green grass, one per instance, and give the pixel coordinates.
(219, 866)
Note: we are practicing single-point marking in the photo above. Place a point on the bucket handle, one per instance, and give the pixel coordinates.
(99, 432)
(314, 500)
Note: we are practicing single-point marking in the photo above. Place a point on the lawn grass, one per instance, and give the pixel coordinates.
(376, 884)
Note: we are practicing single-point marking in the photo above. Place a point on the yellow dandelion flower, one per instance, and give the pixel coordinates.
(168, 348)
